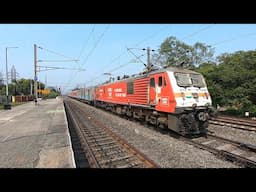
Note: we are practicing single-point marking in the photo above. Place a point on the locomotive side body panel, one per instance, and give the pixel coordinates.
(137, 91)
(161, 93)
(112, 93)
(126, 92)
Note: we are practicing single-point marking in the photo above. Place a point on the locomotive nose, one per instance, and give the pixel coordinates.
(202, 116)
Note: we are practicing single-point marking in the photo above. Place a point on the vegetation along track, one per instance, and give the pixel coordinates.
(237, 123)
(237, 152)
(103, 148)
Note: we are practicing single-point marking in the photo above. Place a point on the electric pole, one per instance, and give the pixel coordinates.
(45, 81)
(40, 91)
(31, 87)
(6, 75)
(46, 68)
(35, 70)
(148, 57)
(7, 105)
(149, 66)
(84, 91)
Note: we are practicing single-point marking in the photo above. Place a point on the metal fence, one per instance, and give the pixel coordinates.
(3, 99)
(18, 98)
(23, 98)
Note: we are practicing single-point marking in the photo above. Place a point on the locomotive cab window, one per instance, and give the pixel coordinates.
(183, 79)
(152, 82)
(197, 80)
(164, 82)
(130, 88)
(160, 81)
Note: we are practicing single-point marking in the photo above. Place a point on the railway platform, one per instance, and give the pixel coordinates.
(35, 136)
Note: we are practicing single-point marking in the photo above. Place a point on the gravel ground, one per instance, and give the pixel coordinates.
(166, 151)
(234, 134)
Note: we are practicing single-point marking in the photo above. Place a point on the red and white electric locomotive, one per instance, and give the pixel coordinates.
(176, 98)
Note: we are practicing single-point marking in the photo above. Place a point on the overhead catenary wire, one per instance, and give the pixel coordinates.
(152, 35)
(137, 44)
(95, 45)
(227, 40)
(123, 53)
(80, 54)
(47, 68)
(191, 35)
(73, 76)
(85, 43)
(197, 32)
(112, 70)
(118, 57)
(41, 60)
(137, 57)
(56, 53)
(90, 53)
(233, 39)
(188, 36)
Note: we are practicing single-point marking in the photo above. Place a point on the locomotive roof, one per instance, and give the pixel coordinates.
(171, 69)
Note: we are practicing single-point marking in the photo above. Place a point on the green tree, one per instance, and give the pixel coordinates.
(20, 87)
(174, 52)
(232, 82)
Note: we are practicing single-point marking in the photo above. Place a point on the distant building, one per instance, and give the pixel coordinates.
(13, 73)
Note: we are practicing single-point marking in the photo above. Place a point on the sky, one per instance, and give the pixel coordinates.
(87, 51)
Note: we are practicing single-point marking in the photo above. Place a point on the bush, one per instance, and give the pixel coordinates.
(252, 111)
(233, 111)
(240, 112)
(50, 96)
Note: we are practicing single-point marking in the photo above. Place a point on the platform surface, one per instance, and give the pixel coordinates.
(35, 136)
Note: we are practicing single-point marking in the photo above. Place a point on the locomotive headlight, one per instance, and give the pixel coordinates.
(202, 116)
(183, 95)
(206, 95)
(195, 95)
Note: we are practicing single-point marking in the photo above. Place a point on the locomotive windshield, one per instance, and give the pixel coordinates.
(183, 79)
(197, 80)
(189, 79)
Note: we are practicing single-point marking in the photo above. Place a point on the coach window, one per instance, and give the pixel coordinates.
(152, 82)
(160, 81)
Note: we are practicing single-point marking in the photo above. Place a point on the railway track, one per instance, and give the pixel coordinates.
(240, 153)
(237, 152)
(103, 148)
(243, 124)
